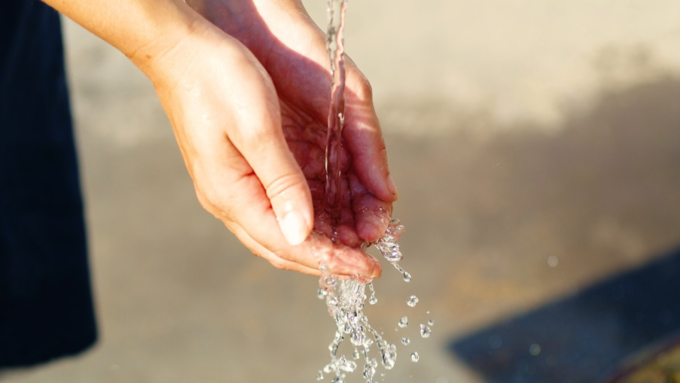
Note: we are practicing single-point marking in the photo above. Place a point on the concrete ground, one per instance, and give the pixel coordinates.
(536, 146)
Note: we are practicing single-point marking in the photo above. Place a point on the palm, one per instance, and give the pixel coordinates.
(306, 138)
(292, 50)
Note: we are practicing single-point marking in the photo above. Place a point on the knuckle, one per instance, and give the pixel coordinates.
(280, 264)
(364, 89)
(204, 201)
(213, 203)
(279, 186)
(259, 137)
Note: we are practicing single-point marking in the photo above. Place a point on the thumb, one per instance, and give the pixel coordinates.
(258, 135)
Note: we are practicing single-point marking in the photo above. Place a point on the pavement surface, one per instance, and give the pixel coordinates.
(536, 146)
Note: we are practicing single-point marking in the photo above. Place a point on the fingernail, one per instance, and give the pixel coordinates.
(377, 270)
(294, 227)
(392, 187)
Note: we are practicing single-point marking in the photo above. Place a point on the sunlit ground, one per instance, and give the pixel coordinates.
(536, 147)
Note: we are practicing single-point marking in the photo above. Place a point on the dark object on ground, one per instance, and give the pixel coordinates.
(658, 364)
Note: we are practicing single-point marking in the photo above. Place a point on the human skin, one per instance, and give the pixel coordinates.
(246, 87)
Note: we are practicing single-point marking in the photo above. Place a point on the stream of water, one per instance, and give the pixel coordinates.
(345, 297)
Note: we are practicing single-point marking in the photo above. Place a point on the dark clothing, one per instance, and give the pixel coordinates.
(46, 307)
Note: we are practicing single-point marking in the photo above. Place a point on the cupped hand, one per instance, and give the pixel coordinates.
(250, 123)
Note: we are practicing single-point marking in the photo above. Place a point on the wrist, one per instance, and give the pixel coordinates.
(168, 49)
(203, 50)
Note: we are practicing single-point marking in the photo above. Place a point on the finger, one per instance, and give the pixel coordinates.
(227, 187)
(257, 219)
(309, 70)
(258, 136)
(364, 139)
(272, 258)
(346, 224)
(341, 259)
(372, 214)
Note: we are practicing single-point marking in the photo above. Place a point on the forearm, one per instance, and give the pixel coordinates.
(144, 30)
(241, 10)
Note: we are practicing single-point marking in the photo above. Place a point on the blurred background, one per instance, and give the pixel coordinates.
(536, 146)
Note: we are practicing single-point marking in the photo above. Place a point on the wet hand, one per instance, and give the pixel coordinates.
(292, 50)
(228, 121)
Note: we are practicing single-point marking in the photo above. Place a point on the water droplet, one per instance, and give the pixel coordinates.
(407, 277)
(330, 367)
(348, 366)
(389, 356)
(413, 301)
(395, 227)
(321, 294)
(329, 281)
(415, 357)
(403, 322)
(430, 322)
(535, 349)
(405, 341)
(319, 376)
(369, 372)
(373, 299)
(388, 247)
(356, 354)
(425, 331)
(553, 261)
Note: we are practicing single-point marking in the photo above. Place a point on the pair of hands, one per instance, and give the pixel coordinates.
(247, 93)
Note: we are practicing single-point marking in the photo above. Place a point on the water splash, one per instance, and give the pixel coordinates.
(345, 297)
(403, 322)
(345, 301)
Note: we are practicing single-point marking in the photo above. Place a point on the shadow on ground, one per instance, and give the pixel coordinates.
(609, 182)
(583, 337)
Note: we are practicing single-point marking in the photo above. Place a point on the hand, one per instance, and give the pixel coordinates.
(292, 48)
(293, 51)
(227, 119)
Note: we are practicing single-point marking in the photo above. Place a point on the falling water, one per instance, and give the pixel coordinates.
(345, 300)
(336, 54)
(345, 297)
